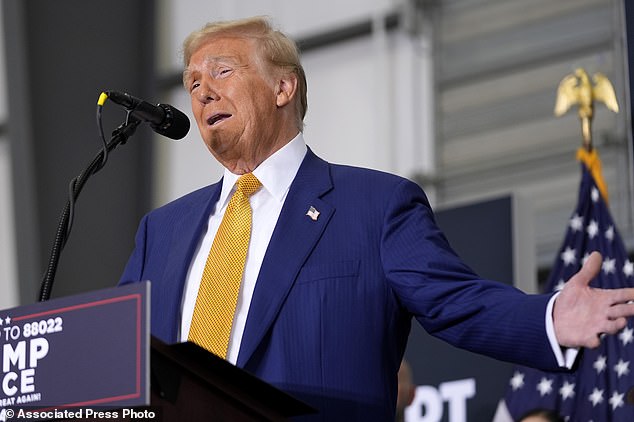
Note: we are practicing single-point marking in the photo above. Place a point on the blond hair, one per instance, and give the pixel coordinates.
(276, 47)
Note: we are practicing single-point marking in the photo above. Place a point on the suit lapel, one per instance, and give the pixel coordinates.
(188, 229)
(293, 239)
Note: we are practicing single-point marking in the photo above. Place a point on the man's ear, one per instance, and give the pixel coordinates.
(286, 89)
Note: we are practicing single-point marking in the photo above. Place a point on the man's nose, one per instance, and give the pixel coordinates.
(207, 94)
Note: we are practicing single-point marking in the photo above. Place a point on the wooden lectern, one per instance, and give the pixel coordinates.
(190, 384)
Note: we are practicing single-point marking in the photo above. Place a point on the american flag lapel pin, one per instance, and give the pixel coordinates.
(312, 213)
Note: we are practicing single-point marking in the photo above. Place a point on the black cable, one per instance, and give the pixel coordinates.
(72, 194)
(100, 103)
(119, 137)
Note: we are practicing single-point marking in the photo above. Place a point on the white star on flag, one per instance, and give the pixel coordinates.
(626, 336)
(576, 223)
(517, 381)
(609, 233)
(596, 397)
(569, 256)
(545, 386)
(567, 390)
(600, 364)
(616, 400)
(593, 229)
(622, 368)
(608, 266)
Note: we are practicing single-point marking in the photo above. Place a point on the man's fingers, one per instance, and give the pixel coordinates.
(622, 309)
(608, 327)
(589, 270)
(614, 326)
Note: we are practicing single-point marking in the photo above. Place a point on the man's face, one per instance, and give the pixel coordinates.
(234, 96)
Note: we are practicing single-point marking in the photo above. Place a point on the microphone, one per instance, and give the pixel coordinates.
(164, 119)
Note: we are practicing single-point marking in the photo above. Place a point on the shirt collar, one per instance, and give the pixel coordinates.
(276, 173)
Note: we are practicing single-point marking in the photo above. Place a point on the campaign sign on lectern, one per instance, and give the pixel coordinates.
(87, 350)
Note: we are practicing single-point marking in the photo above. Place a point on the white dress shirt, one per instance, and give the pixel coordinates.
(565, 358)
(276, 174)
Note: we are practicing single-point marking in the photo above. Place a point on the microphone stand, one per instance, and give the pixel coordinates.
(119, 137)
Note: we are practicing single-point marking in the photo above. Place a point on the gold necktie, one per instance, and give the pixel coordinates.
(218, 293)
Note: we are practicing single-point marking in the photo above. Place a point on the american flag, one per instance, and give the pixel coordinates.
(598, 389)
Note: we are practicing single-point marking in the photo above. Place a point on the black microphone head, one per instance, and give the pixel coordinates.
(175, 125)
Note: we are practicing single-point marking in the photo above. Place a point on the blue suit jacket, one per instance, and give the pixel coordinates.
(333, 302)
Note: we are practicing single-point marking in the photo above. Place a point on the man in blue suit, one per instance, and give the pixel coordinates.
(340, 258)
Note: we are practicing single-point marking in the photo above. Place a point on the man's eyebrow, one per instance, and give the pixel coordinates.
(219, 59)
(214, 60)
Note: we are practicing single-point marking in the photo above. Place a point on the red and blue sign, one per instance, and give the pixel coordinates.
(87, 350)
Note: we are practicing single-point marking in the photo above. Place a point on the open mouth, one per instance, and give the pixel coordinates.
(217, 118)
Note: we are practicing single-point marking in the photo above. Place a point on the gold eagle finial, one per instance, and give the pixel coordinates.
(576, 88)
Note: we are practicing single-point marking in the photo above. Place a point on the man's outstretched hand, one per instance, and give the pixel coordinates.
(582, 313)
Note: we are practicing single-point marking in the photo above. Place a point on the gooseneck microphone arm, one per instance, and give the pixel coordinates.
(119, 137)
(163, 119)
